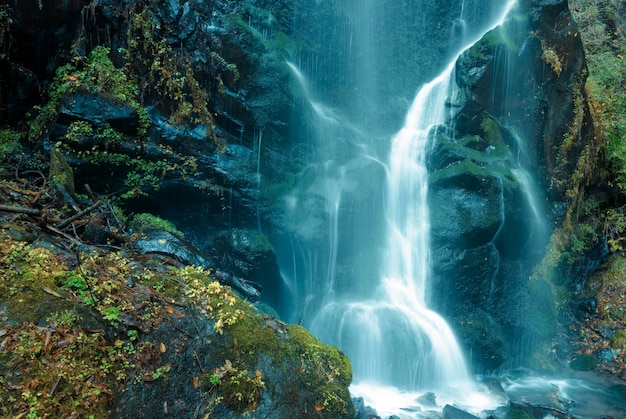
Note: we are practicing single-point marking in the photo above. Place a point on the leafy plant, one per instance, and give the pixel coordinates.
(96, 74)
(239, 388)
(9, 144)
(605, 51)
(79, 129)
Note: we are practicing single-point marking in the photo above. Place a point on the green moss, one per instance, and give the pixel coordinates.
(144, 222)
(9, 144)
(60, 171)
(475, 168)
(618, 341)
(95, 74)
(495, 37)
(324, 373)
(29, 280)
(584, 362)
(64, 374)
(517, 414)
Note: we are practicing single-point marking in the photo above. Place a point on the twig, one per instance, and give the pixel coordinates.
(19, 210)
(197, 358)
(78, 215)
(90, 192)
(61, 233)
(117, 220)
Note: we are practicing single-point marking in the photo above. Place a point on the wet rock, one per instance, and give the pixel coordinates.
(607, 355)
(100, 111)
(451, 412)
(167, 244)
(249, 255)
(363, 411)
(584, 362)
(429, 399)
(538, 411)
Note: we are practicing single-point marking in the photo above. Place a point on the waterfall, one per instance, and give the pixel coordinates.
(376, 309)
(392, 337)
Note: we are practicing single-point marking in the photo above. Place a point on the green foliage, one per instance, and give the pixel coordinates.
(240, 389)
(618, 341)
(550, 57)
(65, 318)
(615, 228)
(605, 50)
(96, 73)
(111, 314)
(168, 73)
(145, 221)
(143, 176)
(79, 129)
(9, 144)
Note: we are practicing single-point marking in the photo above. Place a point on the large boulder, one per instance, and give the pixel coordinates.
(491, 178)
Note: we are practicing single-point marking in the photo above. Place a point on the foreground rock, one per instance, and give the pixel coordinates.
(126, 334)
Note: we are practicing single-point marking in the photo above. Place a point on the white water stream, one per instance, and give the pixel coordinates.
(397, 345)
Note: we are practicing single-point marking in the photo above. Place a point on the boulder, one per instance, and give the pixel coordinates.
(249, 255)
(451, 412)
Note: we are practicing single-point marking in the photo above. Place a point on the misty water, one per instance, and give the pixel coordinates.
(359, 272)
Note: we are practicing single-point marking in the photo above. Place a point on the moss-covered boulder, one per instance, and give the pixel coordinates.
(119, 334)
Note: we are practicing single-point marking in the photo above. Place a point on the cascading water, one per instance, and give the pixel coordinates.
(392, 338)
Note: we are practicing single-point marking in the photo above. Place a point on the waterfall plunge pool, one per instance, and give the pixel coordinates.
(579, 395)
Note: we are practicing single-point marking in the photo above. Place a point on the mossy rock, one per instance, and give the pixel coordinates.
(145, 222)
(618, 341)
(584, 362)
(301, 373)
(517, 414)
(60, 171)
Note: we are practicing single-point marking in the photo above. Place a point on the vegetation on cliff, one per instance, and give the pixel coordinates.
(89, 328)
(589, 244)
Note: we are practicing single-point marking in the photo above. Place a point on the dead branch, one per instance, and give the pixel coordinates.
(20, 210)
(78, 215)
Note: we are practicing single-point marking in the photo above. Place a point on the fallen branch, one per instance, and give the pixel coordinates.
(250, 290)
(78, 215)
(61, 233)
(19, 210)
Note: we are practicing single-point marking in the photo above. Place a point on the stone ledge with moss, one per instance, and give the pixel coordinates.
(98, 333)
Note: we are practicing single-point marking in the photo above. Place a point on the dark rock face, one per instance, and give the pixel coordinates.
(520, 82)
(249, 255)
(451, 412)
(484, 233)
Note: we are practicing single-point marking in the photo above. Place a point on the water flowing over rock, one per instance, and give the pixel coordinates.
(487, 232)
(312, 183)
